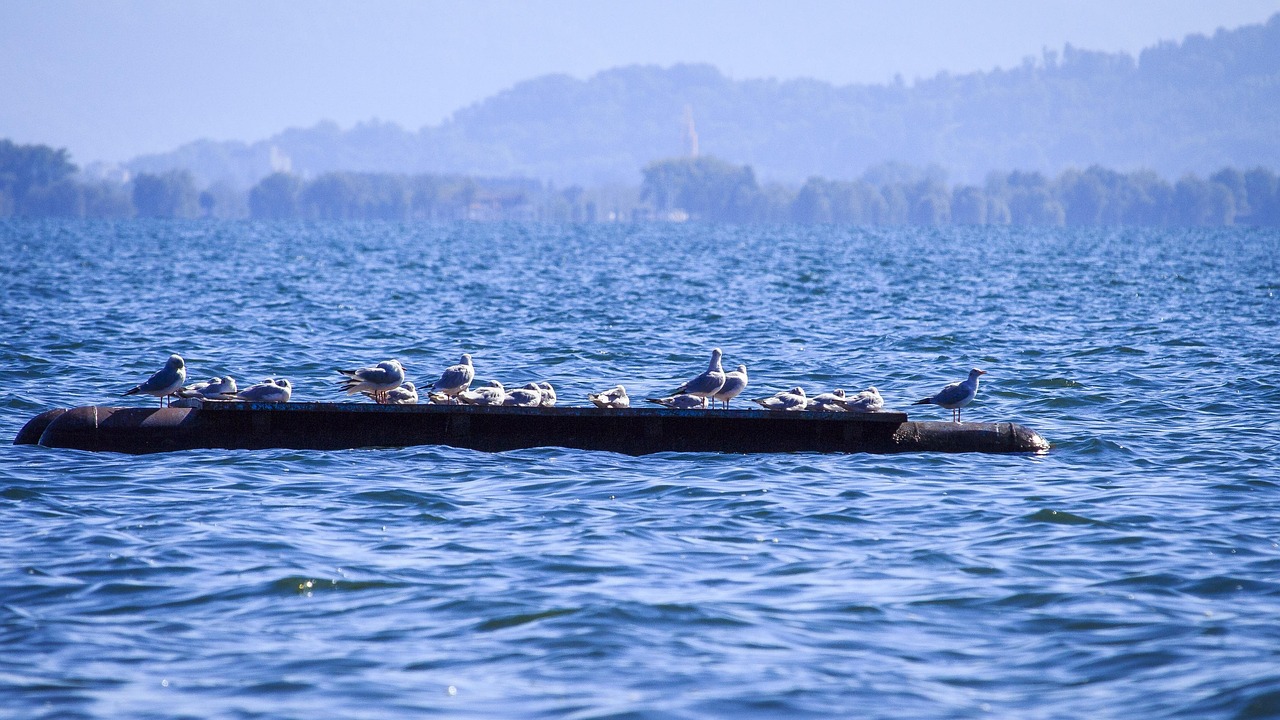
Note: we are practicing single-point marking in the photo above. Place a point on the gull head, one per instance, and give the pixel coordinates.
(974, 373)
(174, 362)
(466, 359)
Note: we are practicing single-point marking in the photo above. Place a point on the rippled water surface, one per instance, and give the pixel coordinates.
(1134, 571)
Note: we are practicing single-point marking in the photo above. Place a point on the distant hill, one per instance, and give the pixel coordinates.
(1190, 106)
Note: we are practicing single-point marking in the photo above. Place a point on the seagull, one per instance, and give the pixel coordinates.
(793, 399)
(612, 399)
(956, 395)
(224, 391)
(375, 381)
(528, 396)
(827, 402)
(491, 394)
(734, 383)
(708, 383)
(406, 394)
(165, 382)
(267, 391)
(680, 402)
(867, 401)
(548, 394)
(455, 378)
(212, 389)
(197, 389)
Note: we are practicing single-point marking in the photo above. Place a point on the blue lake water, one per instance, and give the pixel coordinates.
(1134, 571)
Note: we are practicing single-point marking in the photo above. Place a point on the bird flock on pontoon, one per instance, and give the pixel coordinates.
(385, 384)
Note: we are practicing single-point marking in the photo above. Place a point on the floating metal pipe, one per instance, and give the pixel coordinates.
(635, 431)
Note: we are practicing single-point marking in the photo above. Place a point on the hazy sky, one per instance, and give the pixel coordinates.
(110, 80)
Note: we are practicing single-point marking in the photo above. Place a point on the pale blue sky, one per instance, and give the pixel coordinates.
(110, 80)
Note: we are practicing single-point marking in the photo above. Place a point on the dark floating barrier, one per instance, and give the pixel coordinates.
(635, 431)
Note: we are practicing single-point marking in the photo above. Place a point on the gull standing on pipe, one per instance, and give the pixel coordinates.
(708, 383)
(165, 382)
(376, 380)
(734, 383)
(455, 379)
(956, 395)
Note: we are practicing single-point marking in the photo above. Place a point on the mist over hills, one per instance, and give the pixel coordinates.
(1179, 107)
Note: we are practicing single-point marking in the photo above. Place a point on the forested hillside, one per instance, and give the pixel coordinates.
(1188, 107)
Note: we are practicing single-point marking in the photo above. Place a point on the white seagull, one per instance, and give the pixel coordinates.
(376, 380)
(827, 402)
(548, 394)
(406, 394)
(491, 393)
(528, 396)
(267, 391)
(680, 402)
(956, 395)
(165, 382)
(734, 383)
(212, 389)
(793, 399)
(708, 383)
(612, 399)
(197, 389)
(455, 378)
(224, 391)
(867, 401)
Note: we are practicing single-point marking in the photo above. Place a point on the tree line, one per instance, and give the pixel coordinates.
(388, 196)
(39, 181)
(714, 190)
